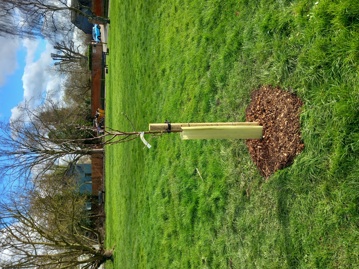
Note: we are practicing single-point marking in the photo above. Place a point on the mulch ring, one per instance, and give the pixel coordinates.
(278, 112)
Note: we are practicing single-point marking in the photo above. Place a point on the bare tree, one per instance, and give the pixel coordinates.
(32, 147)
(68, 53)
(11, 24)
(39, 17)
(78, 88)
(48, 228)
(35, 145)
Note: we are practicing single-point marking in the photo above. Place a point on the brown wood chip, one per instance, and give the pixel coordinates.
(278, 112)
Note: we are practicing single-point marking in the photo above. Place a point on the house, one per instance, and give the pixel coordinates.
(98, 62)
(89, 7)
(83, 173)
(89, 182)
(79, 20)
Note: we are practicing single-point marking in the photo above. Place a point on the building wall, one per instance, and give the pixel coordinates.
(84, 172)
(97, 173)
(96, 72)
(96, 102)
(98, 7)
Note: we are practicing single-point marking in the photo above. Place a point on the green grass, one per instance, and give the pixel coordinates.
(198, 61)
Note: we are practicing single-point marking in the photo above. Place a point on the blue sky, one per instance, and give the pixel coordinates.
(16, 58)
(11, 93)
(24, 74)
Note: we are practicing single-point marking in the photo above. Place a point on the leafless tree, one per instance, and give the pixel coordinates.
(27, 149)
(39, 17)
(48, 228)
(11, 24)
(30, 148)
(78, 88)
(77, 84)
(68, 53)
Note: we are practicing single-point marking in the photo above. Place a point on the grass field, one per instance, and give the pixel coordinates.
(203, 204)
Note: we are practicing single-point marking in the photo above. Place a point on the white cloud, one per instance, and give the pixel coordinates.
(38, 80)
(8, 62)
(35, 77)
(31, 46)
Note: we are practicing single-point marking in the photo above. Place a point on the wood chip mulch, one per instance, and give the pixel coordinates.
(278, 112)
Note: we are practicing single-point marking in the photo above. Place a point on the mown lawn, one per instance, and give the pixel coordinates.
(203, 204)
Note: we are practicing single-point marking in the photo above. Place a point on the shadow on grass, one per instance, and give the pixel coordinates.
(285, 195)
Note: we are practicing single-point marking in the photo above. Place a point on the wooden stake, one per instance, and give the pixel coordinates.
(178, 126)
(222, 132)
